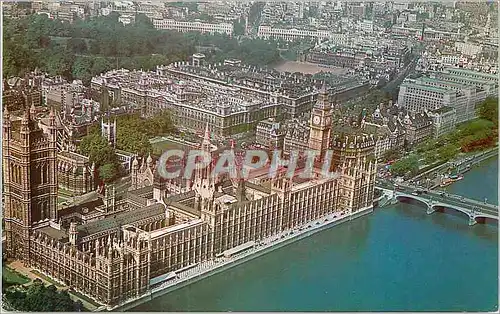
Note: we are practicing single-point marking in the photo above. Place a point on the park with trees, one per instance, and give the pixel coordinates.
(133, 134)
(89, 47)
(475, 135)
(19, 293)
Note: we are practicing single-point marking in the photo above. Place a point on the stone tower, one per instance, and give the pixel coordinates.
(29, 179)
(321, 123)
(354, 160)
(108, 131)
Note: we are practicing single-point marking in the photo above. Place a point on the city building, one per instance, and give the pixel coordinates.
(485, 87)
(194, 26)
(20, 93)
(270, 134)
(321, 123)
(29, 180)
(468, 48)
(291, 34)
(418, 127)
(387, 118)
(466, 100)
(354, 160)
(297, 136)
(143, 175)
(121, 245)
(472, 74)
(418, 98)
(292, 94)
(444, 120)
(125, 158)
(75, 174)
(383, 137)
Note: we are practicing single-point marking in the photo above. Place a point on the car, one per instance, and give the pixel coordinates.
(414, 193)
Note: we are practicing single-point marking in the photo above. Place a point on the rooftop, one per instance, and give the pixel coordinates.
(174, 228)
(120, 219)
(54, 233)
(426, 87)
(443, 109)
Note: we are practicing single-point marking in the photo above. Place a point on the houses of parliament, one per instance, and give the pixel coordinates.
(111, 247)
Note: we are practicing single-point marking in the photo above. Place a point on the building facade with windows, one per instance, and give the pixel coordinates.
(194, 26)
(270, 133)
(418, 98)
(75, 174)
(120, 245)
(444, 120)
(291, 34)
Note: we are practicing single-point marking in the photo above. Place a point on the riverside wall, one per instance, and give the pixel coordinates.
(157, 292)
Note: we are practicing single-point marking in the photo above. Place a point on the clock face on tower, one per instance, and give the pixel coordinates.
(316, 120)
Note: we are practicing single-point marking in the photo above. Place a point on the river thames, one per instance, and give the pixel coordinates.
(397, 259)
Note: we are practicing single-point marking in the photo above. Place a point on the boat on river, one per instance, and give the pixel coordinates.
(450, 179)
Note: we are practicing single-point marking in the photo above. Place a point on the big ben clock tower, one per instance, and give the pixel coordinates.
(321, 123)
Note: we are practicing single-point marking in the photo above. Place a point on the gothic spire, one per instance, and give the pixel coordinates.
(6, 113)
(323, 88)
(52, 113)
(149, 161)
(206, 136)
(205, 144)
(32, 110)
(26, 117)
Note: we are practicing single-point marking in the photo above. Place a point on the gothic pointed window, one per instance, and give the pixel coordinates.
(42, 211)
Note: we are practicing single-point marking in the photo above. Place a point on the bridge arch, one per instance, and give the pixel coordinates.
(483, 218)
(455, 208)
(413, 197)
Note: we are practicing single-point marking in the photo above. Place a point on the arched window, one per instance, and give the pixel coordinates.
(14, 175)
(42, 210)
(42, 173)
(45, 173)
(36, 174)
(18, 174)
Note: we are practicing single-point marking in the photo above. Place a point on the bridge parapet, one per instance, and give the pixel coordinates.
(473, 212)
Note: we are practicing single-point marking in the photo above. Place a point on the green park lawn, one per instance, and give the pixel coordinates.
(47, 279)
(162, 146)
(13, 277)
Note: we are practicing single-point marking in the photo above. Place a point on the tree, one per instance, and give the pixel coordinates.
(488, 110)
(40, 298)
(108, 172)
(160, 124)
(239, 28)
(408, 165)
(392, 154)
(448, 152)
(81, 69)
(28, 44)
(76, 45)
(97, 148)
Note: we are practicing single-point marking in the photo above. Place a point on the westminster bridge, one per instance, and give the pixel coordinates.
(476, 211)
